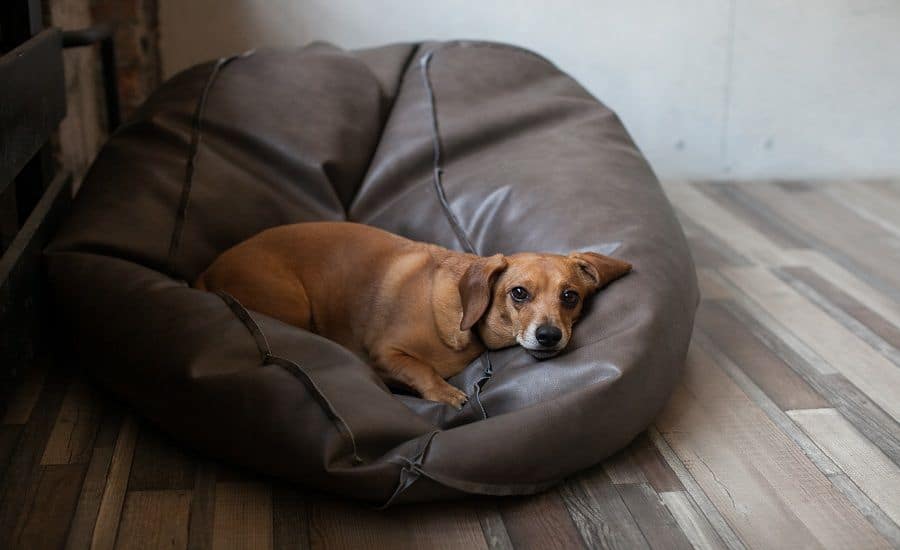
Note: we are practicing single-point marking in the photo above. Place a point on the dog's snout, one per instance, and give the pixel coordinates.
(548, 335)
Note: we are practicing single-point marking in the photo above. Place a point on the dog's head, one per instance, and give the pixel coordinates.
(532, 299)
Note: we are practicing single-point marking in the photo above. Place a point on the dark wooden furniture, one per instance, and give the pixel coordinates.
(33, 193)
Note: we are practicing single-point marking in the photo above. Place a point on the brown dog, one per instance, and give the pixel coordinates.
(417, 312)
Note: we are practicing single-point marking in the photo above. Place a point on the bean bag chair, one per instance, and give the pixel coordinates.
(471, 145)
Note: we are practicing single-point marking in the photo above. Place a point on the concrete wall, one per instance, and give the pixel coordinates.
(710, 89)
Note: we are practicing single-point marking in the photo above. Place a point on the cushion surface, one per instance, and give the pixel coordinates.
(414, 139)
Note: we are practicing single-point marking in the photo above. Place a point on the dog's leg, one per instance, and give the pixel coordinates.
(399, 367)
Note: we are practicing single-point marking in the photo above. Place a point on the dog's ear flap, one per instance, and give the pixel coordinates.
(600, 270)
(476, 286)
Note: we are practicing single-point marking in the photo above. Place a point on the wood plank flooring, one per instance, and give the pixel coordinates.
(783, 432)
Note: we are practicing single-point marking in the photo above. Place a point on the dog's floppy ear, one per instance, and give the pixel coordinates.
(475, 288)
(600, 270)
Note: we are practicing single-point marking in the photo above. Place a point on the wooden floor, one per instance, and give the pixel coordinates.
(783, 433)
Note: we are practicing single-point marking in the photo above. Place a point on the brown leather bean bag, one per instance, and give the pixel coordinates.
(462, 144)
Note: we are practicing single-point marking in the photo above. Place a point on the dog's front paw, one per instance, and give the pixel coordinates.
(445, 393)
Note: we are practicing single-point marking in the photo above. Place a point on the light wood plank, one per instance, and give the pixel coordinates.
(867, 204)
(107, 526)
(695, 492)
(761, 364)
(154, 519)
(866, 368)
(72, 438)
(864, 463)
(837, 275)
(735, 233)
(243, 516)
(712, 287)
(693, 523)
(853, 241)
(733, 199)
(761, 481)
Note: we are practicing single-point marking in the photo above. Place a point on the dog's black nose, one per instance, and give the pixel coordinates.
(548, 335)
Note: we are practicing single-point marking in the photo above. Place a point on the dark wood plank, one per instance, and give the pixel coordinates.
(23, 471)
(46, 521)
(784, 386)
(154, 519)
(82, 530)
(539, 521)
(72, 438)
(200, 533)
(290, 519)
(33, 100)
(657, 471)
(599, 512)
(654, 519)
(159, 463)
(495, 534)
(868, 318)
(865, 415)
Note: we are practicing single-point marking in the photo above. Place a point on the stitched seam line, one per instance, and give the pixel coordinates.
(437, 169)
(196, 127)
(268, 358)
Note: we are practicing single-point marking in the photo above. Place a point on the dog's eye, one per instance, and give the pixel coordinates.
(570, 298)
(519, 294)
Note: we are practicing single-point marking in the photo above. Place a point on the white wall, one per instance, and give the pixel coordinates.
(738, 89)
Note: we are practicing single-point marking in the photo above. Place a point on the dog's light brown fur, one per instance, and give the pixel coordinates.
(419, 313)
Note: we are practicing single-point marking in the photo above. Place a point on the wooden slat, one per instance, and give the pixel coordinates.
(154, 519)
(848, 282)
(200, 535)
(867, 466)
(641, 462)
(107, 526)
(733, 199)
(346, 525)
(539, 521)
(865, 415)
(159, 463)
(887, 332)
(737, 235)
(622, 468)
(23, 471)
(760, 363)
(47, 520)
(707, 249)
(695, 492)
(496, 537)
(859, 363)
(654, 519)
(838, 231)
(599, 512)
(33, 100)
(690, 519)
(290, 519)
(712, 287)
(868, 204)
(761, 481)
(82, 529)
(243, 516)
(72, 438)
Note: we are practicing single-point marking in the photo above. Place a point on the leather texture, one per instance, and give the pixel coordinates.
(530, 161)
